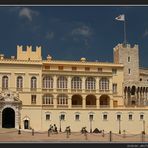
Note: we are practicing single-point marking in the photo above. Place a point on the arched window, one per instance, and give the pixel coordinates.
(33, 83)
(104, 84)
(90, 83)
(4, 82)
(48, 82)
(62, 99)
(19, 83)
(62, 82)
(47, 99)
(76, 83)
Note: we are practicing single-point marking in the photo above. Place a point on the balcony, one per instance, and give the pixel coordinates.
(47, 89)
(62, 90)
(76, 90)
(104, 106)
(76, 106)
(47, 106)
(33, 89)
(62, 105)
(91, 106)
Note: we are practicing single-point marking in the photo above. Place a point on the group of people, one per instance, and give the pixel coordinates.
(53, 128)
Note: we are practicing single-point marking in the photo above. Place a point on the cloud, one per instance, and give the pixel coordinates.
(84, 31)
(145, 33)
(27, 13)
(50, 35)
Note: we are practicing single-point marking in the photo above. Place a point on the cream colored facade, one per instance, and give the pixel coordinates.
(107, 96)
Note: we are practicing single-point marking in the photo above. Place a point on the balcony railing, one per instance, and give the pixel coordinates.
(91, 106)
(62, 105)
(104, 106)
(76, 106)
(76, 90)
(47, 89)
(62, 90)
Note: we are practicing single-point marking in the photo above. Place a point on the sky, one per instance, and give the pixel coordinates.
(72, 32)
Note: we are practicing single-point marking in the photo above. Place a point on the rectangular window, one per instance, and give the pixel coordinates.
(114, 71)
(47, 116)
(77, 117)
(33, 99)
(141, 117)
(118, 117)
(60, 67)
(130, 117)
(99, 69)
(62, 117)
(87, 69)
(74, 68)
(47, 67)
(91, 117)
(105, 117)
(129, 59)
(129, 71)
(114, 88)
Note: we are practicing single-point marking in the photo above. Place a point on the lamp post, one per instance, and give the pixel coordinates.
(144, 126)
(119, 125)
(90, 119)
(60, 123)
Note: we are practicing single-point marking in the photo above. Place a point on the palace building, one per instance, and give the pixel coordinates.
(35, 92)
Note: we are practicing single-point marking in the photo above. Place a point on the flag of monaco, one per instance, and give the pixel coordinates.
(120, 17)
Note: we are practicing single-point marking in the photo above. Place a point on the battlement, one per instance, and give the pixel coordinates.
(28, 54)
(119, 46)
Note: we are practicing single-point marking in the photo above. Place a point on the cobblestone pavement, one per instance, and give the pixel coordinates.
(12, 135)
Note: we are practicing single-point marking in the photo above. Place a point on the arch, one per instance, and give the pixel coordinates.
(33, 82)
(5, 82)
(8, 118)
(47, 99)
(62, 82)
(76, 83)
(125, 89)
(62, 99)
(76, 99)
(104, 100)
(47, 82)
(90, 100)
(90, 83)
(133, 90)
(104, 83)
(19, 83)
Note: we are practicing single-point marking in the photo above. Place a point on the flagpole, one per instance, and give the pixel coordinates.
(124, 31)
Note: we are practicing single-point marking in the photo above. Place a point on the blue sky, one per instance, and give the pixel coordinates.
(72, 32)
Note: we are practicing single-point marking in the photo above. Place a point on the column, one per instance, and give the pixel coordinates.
(83, 102)
(83, 84)
(54, 83)
(111, 85)
(97, 84)
(69, 84)
(98, 102)
(111, 102)
(54, 101)
(69, 101)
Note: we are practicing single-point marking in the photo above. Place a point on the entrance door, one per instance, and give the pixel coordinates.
(8, 118)
(26, 124)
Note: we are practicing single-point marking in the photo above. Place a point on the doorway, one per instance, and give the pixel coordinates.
(8, 118)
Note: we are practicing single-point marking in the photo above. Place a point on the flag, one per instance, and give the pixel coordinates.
(120, 17)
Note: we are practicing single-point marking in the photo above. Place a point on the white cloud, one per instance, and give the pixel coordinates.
(50, 35)
(145, 33)
(82, 30)
(27, 13)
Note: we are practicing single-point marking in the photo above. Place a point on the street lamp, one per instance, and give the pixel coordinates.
(60, 123)
(144, 126)
(90, 119)
(119, 125)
